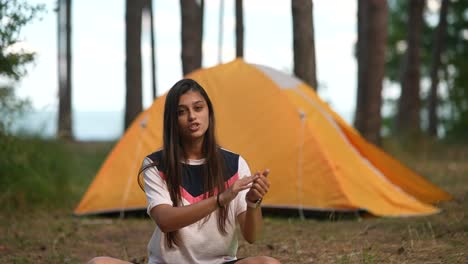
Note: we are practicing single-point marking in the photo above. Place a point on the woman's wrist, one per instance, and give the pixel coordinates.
(253, 204)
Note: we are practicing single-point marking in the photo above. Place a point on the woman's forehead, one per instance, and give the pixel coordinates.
(191, 97)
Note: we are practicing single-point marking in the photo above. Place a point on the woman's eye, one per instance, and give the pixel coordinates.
(198, 108)
(180, 112)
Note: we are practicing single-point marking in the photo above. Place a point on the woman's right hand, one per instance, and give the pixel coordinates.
(238, 186)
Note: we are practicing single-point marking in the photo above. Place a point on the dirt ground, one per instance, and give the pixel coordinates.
(55, 236)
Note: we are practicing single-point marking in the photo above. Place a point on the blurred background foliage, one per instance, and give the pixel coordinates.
(453, 73)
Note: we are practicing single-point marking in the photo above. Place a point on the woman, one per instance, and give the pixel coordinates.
(196, 191)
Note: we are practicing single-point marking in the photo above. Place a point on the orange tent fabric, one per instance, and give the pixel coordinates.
(275, 121)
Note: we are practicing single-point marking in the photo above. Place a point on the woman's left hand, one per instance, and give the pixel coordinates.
(259, 187)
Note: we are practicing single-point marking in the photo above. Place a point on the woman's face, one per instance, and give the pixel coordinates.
(193, 116)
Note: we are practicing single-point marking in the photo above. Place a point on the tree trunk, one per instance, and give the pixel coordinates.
(439, 41)
(239, 29)
(362, 58)
(192, 34)
(65, 85)
(133, 99)
(304, 43)
(408, 119)
(149, 8)
(372, 40)
(221, 29)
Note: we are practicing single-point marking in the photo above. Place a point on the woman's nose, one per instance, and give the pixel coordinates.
(191, 115)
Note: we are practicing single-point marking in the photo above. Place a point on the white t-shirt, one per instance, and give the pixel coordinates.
(200, 242)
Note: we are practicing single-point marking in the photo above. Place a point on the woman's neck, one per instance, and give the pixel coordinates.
(193, 149)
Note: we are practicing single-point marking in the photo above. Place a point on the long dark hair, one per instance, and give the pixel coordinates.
(173, 154)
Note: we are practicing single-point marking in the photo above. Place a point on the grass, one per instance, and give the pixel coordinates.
(46, 174)
(45, 180)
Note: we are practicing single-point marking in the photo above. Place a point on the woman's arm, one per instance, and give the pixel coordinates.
(170, 218)
(251, 221)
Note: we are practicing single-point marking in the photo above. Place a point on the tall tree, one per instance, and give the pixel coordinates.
(221, 30)
(408, 119)
(438, 49)
(64, 68)
(304, 42)
(149, 10)
(192, 34)
(239, 29)
(133, 99)
(371, 47)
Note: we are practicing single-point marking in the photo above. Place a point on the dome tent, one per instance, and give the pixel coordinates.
(275, 121)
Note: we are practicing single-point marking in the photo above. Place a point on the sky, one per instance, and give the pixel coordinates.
(98, 45)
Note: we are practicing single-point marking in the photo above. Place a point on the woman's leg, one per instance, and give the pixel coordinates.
(258, 260)
(107, 260)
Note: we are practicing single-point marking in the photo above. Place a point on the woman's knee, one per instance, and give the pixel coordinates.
(106, 260)
(97, 260)
(269, 260)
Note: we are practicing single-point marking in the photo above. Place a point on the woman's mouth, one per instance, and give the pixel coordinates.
(194, 127)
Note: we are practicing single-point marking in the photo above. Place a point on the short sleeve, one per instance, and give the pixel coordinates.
(155, 187)
(243, 171)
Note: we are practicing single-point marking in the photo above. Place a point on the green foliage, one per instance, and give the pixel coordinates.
(454, 103)
(39, 173)
(397, 40)
(457, 70)
(14, 15)
(11, 107)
